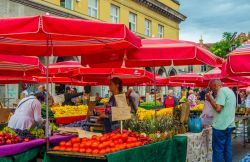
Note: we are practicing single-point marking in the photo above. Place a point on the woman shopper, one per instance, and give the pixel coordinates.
(192, 99)
(115, 88)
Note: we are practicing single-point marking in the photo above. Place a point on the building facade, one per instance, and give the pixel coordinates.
(146, 18)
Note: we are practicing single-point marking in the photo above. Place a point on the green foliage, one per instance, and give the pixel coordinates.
(227, 44)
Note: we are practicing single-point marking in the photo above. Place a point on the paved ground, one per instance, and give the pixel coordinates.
(239, 152)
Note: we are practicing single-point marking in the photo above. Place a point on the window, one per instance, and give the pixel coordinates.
(114, 14)
(147, 27)
(190, 68)
(203, 68)
(132, 22)
(67, 4)
(160, 31)
(93, 8)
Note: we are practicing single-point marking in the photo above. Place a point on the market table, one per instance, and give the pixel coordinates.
(166, 151)
(27, 151)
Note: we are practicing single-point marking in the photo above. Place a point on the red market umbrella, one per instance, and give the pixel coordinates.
(164, 52)
(47, 35)
(103, 75)
(16, 80)
(190, 77)
(65, 80)
(62, 69)
(20, 66)
(238, 61)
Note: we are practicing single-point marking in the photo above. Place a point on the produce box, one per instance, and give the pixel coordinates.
(152, 107)
(71, 119)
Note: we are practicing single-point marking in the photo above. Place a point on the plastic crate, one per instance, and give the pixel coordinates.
(100, 109)
(70, 119)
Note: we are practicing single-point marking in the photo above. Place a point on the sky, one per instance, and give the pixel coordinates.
(210, 18)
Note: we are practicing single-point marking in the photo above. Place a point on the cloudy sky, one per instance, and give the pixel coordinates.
(210, 18)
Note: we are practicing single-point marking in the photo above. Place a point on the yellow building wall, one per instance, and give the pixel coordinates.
(171, 28)
(170, 4)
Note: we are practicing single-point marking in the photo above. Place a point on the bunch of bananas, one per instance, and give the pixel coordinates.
(198, 107)
(143, 114)
(104, 100)
(67, 111)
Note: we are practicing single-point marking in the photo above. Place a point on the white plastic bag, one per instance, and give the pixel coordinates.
(207, 114)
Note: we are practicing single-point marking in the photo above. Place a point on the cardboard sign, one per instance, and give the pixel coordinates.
(92, 98)
(59, 99)
(83, 133)
(121, 100)
(121, 113)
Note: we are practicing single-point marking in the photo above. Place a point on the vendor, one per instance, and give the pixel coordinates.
(115, 88)
(27, 114)
(170, 100)
(68, 96)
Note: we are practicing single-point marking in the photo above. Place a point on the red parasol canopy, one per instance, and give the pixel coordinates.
(62, 69)
(238, 60)
(103, 75)
(191, 77)
(163, 52)
(47, 35)
(15, 80)
(65, 80)
(20, 66)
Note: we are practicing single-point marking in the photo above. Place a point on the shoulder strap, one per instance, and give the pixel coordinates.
(23, 102)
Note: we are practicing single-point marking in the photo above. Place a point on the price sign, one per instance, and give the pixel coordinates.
(92, 98)
(121, 100)
(121, 113)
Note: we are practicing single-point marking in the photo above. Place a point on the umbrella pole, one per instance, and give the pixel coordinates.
(47, 104)
(155, 88)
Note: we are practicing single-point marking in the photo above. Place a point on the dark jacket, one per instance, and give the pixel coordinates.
(69, 96)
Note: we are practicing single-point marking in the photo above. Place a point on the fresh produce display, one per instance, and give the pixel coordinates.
(9, 131)
(53, 127)
(37, 132)
(183, 99)
(82, 123)
(107, 143)
(198, 107)
(150, 104)
(6, 138)
(104, 100)
(68, 111)
(143, 114)
(24, 134)
(51, 114)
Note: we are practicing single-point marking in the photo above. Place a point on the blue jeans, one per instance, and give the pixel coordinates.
(222, 145)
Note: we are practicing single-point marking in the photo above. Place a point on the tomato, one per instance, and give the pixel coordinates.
(82, 145)
(128, 145)
(124, 136)
(133, 144)
(75, 149)
(105, 144)
(95, 151)
(107, 150)
(103, 139)
(88, 144)
(94, 137)
(102, 151)
(95, 145)
(112, 149)
(62, 148)
(75, 140)
(56, 148)
(98, 138)
(84, 139)
(100, 146)
(68, 149)
(62, 143)
(129, 140)
(122, 147)
(88, 150)
(82, 150)
(76, 145)
(120, 141)
(68, 144)
(133, 139)
(111, 144)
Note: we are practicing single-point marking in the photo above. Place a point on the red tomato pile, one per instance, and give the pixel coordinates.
(107, 143)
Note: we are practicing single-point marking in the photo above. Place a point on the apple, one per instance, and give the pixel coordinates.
(26, 140)
(8, 141)
(1, 133)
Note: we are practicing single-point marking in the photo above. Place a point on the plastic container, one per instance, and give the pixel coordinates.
(70, 119)
(195, 124)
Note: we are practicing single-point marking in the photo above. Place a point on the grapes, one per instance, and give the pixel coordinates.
(82, 123)
(24, 134)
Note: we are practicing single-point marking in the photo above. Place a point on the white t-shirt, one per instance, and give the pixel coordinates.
(27, 113)
(248, 101)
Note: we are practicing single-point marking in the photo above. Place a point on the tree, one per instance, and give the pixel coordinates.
(227, 44)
